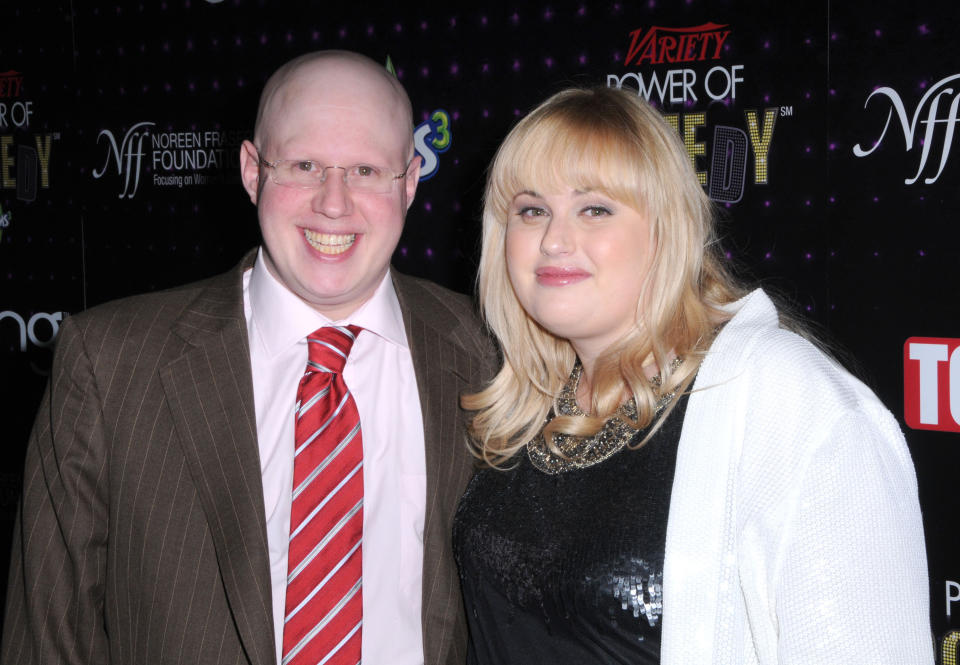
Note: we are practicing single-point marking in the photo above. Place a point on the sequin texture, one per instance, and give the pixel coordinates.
(641, 593)
(567, 567)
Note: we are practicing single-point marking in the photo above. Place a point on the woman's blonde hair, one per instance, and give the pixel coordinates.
(613, 142)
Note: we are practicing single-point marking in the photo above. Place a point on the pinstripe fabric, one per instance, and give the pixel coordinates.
(324, 606)
(115, 557)
(451, 355)
(141, 535)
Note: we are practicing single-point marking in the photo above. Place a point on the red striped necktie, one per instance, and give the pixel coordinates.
(324, 606)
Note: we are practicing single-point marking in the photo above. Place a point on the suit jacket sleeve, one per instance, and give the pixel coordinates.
(55, 596)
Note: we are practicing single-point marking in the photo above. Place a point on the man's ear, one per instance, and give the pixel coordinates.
(412, 178)
(250, 170)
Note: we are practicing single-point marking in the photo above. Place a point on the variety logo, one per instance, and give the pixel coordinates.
(931, 383)
(13, 114)
(430, 138)
(23, 167)
(10, 84)
(660, 45)
(175, 158)
(27, 330)
(932, 111)
(730, 147)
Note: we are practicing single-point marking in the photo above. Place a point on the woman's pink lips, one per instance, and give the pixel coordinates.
(560, 276)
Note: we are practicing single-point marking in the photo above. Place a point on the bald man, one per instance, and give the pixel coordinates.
(164, 476)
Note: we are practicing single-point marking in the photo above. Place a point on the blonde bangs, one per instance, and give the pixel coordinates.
(556, 150)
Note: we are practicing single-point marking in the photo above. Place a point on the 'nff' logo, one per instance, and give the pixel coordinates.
(938, 113)
(127, 157)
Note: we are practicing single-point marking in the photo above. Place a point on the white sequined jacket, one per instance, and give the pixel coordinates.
(794, 533)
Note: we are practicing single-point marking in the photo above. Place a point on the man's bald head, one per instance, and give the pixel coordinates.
(337, 79)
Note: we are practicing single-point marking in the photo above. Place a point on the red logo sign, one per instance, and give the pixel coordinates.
(659, 45)
(931, 383)
(10, 82)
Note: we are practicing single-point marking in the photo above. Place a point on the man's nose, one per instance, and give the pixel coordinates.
(332, 198)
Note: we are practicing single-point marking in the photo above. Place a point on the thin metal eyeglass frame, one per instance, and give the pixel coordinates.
(323, 179)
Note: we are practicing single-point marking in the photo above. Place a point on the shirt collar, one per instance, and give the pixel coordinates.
(282, 319)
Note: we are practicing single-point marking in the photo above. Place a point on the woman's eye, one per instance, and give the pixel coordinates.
(531, 211)
(597, 211)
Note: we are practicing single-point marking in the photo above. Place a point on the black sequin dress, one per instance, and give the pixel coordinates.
(568, 568)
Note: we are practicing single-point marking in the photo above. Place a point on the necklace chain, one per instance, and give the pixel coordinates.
(579, 452)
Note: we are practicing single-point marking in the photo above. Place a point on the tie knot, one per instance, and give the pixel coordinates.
(328, 348)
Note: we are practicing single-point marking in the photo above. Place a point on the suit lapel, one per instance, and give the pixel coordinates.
(443, 372)
(210, 391)
(436, 363)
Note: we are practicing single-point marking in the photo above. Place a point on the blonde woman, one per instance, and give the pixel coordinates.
(667, 474)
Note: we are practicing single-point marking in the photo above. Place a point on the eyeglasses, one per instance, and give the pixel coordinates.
(308, 174)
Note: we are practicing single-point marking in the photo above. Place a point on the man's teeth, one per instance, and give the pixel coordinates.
(330, 243)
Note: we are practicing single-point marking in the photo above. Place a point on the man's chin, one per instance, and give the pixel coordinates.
(337, 301)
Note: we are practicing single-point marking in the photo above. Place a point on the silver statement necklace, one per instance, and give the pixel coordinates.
(580, 452)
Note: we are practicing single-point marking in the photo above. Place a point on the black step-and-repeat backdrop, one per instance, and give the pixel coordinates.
(824, 132)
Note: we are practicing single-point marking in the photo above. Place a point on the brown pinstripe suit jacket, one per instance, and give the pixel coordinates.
(141, 536)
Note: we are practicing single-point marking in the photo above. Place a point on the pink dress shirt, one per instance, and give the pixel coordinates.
(379, 374)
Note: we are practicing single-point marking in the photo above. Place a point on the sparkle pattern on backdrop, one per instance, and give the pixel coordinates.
(840, 235)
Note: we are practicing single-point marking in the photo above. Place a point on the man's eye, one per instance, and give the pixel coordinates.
(364, 171)
(304, 165)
